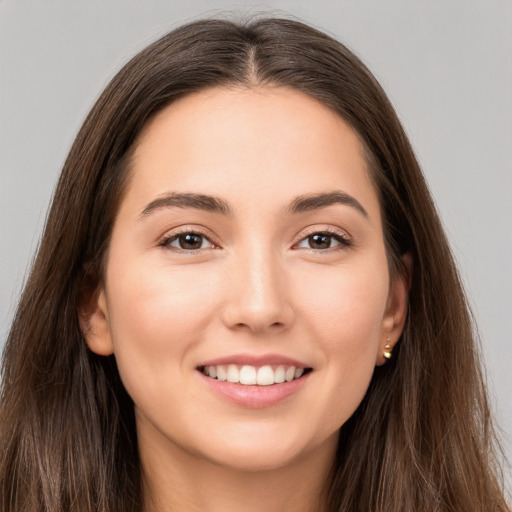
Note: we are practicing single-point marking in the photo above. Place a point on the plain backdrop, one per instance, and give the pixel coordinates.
(446, 65)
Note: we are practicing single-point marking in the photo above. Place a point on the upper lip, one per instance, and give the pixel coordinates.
(255, 360)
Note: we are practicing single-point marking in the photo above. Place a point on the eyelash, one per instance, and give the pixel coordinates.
(342, 238)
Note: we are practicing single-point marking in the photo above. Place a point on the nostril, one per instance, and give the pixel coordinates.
(257, 325)
(257, 311)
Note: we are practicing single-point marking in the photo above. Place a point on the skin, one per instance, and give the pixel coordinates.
(255, 286)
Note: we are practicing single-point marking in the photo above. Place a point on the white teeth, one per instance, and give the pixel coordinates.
(221, 373)
(290, 373)
(233, 373)
(279, 374)
(250, 375)
(266, 376)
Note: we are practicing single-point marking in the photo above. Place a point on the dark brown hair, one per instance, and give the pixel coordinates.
(422, 439)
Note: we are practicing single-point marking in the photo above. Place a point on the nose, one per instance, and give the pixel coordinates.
(257, 296)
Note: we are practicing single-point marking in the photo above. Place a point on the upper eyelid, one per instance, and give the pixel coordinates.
(182, 230)
(311, 230)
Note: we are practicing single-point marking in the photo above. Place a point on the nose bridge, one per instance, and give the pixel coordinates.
(257, 294)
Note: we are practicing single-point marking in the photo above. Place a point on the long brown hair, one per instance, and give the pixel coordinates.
(422, 439)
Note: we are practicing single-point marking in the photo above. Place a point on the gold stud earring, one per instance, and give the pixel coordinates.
(388, 350)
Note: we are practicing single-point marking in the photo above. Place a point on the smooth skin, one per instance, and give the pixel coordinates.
(255, 281)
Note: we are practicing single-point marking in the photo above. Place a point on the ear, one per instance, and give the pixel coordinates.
(94, 322)
(396, 309)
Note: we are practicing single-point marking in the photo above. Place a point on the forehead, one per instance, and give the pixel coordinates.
(275, 140)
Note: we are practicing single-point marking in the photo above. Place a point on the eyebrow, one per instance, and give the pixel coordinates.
(310, 202)
(188, 200)
(303, 203)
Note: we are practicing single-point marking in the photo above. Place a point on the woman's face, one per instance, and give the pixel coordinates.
(248, 247)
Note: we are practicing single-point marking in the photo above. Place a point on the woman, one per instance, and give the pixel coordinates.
(244, 299)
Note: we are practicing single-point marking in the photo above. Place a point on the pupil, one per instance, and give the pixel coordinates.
(320, 241)
(190, 241)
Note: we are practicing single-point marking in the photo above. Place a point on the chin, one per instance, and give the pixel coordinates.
(256, 458)
(263, 451)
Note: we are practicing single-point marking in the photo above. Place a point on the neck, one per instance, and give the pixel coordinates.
(176, 479)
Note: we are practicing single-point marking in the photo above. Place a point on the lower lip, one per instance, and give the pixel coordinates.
(255, 397)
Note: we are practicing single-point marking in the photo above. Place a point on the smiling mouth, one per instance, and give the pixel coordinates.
(247, 375)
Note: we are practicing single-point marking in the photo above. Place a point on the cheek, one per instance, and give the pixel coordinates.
(156, 315)
(348, 304)
(345, 309)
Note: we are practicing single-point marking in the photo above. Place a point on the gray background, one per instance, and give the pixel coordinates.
(446, 65)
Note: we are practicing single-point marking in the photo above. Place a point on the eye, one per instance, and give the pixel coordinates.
(187, 241)
(322, 240)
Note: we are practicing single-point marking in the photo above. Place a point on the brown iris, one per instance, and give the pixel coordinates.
(320, 241)
(190, 241)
